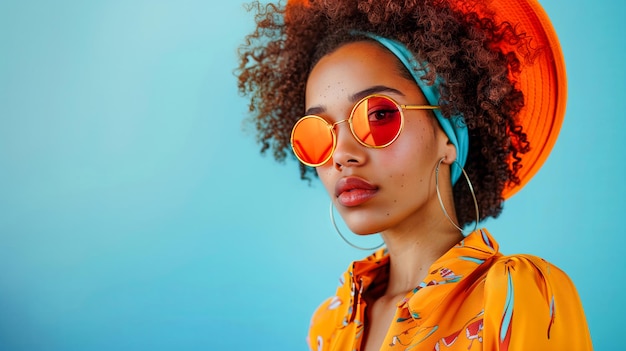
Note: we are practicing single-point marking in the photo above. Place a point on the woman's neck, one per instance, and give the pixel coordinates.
(412, 253)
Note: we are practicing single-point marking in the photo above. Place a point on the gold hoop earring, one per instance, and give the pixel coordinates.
(332, 219)
(471, 188)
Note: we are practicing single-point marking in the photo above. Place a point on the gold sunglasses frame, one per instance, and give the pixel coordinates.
(331, 126)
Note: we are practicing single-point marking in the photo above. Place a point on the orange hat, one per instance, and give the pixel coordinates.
(542, 78)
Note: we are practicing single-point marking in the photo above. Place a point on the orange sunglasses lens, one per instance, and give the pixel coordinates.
(312, 140)
(376, 121)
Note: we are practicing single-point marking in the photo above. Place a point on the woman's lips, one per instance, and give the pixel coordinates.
(353, 191)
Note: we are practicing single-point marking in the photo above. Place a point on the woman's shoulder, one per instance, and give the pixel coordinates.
(525, 266)
(531, 302)
(524, 276)
(332, 314)
(336, 318)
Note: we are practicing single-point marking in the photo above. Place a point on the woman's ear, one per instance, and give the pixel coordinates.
(448, 150)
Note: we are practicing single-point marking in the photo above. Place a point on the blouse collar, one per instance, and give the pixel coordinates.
(451, 269)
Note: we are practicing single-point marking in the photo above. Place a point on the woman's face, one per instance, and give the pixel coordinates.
(376, 190)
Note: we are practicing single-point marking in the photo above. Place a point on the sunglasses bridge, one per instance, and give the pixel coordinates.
(333, 125)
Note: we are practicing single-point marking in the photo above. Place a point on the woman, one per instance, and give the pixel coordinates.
(420, 118)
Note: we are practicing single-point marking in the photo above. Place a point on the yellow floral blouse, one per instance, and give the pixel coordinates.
(474, 298)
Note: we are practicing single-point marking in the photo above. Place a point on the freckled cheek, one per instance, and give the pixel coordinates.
(401, 183)
(409, 153)
(410, 159)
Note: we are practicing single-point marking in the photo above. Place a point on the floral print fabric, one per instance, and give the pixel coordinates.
(473, 298)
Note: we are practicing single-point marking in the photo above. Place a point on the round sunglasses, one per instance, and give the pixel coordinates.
(375, 121)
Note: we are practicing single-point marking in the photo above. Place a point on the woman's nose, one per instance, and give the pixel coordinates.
(348, 151)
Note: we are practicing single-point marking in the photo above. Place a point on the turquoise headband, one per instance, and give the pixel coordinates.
(454, 127)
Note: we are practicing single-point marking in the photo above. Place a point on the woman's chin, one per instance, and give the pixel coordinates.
(360, 229)
(363, 223)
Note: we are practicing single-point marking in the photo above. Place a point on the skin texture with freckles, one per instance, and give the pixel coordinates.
(404, 205)
(403, 171)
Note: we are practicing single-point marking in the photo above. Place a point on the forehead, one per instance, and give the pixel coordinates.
(354, 67)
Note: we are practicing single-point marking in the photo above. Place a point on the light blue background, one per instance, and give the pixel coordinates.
(137, 214)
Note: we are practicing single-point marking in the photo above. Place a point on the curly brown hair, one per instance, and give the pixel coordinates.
(460, 44)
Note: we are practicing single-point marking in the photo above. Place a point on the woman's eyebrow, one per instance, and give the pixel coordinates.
(315, 110)
(377, 89)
